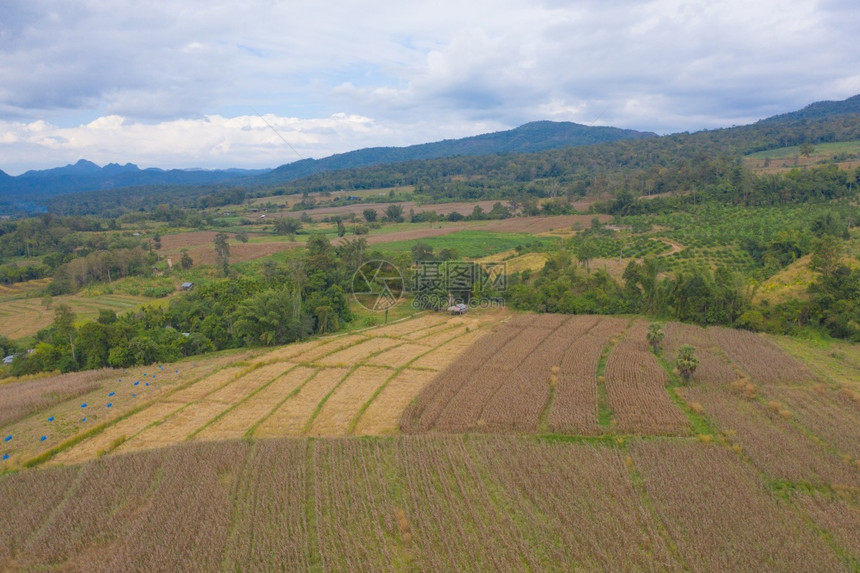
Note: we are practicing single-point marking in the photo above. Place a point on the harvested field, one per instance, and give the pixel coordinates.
(21, 399)
(383, 413)
(574, 407)
(771, 441)
(235, 423)
(353, 354)
(712, 368)
(334, 418)
(399, 355)
(731, 523)
(240, 252)
(831, 415)
(293, 415)
(441, 356)
(763, 360)
(131, 392)
(839, 516)
(425, 503)
(186, 240)
(636, 389)
(22, 317)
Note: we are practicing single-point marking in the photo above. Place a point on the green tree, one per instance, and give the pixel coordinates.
(186, 261)
(826, 254)
(369, 215)
(686, 362)
(64, 324)
(326, 319)
(585, 252)
(222, 252)
(394, 213)
(269, 317)
(422, 252)
(287, 226)
(655, 336)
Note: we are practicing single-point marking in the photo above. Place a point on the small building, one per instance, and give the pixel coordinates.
(187, 286)
(8, 359)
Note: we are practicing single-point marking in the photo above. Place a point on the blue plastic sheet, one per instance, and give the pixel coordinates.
(43, 438)
(111, 394)
(51, 419)
(9, 437)
(84, 405)
(5, 456)
(110, 404)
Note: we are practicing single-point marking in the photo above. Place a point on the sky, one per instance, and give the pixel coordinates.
(259, 83)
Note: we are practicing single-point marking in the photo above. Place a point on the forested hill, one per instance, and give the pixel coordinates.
(641, 164)
(528, 138)
(819, 110)
(30, 189)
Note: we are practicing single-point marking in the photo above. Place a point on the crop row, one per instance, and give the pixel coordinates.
(636, 389)
(773, 443)
(427, 503)
(574, 406)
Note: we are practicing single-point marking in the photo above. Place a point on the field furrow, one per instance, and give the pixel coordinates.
(244, 416)
(339, 409)
(636, 389)
(574, 407)
(733, 503)
(293, 415)
(383, 414)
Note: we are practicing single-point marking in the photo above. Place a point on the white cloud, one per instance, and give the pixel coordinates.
(417, 71)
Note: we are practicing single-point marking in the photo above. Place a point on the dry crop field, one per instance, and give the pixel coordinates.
(21, 317)
(490, 441)
(352, 384)
(540, 373)
(425, 503)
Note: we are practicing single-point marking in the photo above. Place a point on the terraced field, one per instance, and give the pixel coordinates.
(499, 442)
(337, 386)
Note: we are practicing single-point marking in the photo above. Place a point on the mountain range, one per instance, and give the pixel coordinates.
(34, 190)
(30, 190)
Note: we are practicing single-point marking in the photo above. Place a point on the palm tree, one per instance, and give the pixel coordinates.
(655, 336)
(686, 361)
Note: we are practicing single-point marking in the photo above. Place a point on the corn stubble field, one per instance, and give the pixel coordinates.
(491, 442)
